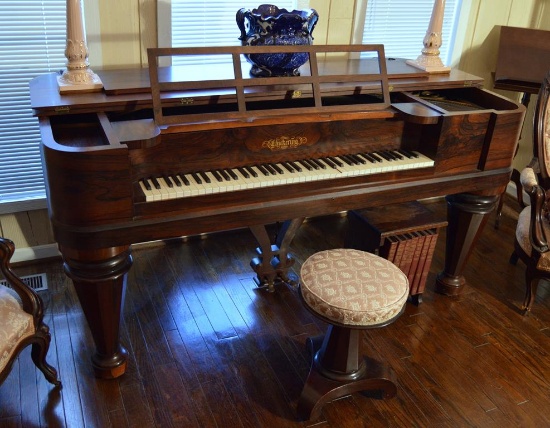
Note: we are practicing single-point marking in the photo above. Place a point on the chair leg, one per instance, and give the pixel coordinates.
(337, 370)
(531, 284)
(38, 354)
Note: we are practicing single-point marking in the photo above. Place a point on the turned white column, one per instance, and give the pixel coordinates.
(429, 60)
(78, 76)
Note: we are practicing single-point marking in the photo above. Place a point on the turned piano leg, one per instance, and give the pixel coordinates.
(99, 278)
(274, 259)
(467, 215)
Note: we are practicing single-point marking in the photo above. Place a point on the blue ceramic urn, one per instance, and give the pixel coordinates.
(269, 25)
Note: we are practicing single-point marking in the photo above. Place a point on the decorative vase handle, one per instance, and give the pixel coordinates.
(241, 14)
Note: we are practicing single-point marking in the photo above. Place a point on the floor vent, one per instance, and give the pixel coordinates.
(38, 282)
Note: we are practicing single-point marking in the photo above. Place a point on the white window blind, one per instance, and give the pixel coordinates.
(210, 23)
(32, 42)
(401, 26)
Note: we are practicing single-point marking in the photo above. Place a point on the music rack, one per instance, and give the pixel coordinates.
(334, 87)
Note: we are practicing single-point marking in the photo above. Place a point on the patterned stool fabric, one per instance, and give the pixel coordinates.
(353, 287)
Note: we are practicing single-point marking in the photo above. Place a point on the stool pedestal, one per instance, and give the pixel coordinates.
(338, 369)
(351, 291)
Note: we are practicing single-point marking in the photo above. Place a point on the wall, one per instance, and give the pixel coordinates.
(119, 33)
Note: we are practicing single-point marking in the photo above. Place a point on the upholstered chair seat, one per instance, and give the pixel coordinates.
(16, 324)
(21, 320)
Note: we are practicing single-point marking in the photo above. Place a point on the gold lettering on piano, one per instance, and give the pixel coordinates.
(296, 94)
(283, 143)
(187, 101)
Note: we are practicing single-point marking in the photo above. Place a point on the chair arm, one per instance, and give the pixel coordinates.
(32, 303)
(528, 179)
(537, 196)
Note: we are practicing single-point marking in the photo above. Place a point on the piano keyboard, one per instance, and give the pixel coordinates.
(186, 185)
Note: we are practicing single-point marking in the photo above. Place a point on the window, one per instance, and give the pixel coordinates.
(32, 42)
(207, 23)
(401, 26)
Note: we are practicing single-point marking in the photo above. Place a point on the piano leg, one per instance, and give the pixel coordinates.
(467, 215)
(274, 259)
(99, 278)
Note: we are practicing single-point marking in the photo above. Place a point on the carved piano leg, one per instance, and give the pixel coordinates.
(467, 214)
(274, 259)
(99, 278)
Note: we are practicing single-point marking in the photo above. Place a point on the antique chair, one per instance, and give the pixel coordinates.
(533, 229)
(21, 320)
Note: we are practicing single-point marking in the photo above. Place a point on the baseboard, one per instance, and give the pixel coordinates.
(39, 252)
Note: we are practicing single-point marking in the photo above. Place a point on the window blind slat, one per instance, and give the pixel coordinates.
(192, 25)
(32, 42)
(401, 26)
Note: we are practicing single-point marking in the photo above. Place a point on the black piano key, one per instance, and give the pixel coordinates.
(336, 161)
(168, 181)
(251, 171)
(155, 183)
(146, 184)
(244, 172)
(397, 154)
(287, 166)
(358, 159)
(205, 177)
(305, 164)
(391, 154)
(295, 166)
(329, 162)
(262, 170)
(368, 157)
(176, 179)
(383, 155)
(346, 160)
(319, 164)
(185, 180)
(196, 178)
(377, 156)
(232, 174)
(408, 153)
(224, 174)
(312, 163)
(374, 157)
(270, 168)
(277, 168)
(217, 176)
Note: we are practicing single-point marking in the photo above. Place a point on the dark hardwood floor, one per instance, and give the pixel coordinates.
(208, 349)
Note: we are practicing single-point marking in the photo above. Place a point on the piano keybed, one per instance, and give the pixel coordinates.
(185, 185)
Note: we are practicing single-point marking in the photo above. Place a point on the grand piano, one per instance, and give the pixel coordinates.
(171, 151)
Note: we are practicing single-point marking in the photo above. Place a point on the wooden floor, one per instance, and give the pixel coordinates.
(208, 349)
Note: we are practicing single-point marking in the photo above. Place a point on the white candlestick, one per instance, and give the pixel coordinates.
(78, 76)
(429, 59)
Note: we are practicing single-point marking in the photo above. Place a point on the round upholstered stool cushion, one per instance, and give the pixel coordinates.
(355, 288)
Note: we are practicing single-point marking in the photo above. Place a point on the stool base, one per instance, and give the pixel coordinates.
(371, 376)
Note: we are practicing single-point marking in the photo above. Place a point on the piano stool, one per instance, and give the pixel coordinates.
(350, 290)
(405, 234)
